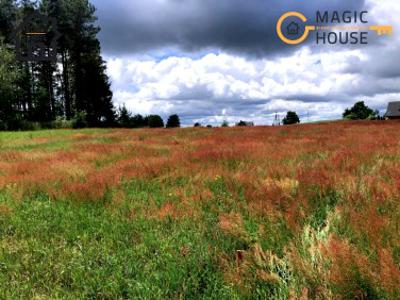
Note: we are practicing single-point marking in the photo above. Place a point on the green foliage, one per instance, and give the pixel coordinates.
(40, 92)
(8, 11)
(124, 117)
(154, 121)
(127, 120)
(291, 118)
(320, 206)
(80, 120)
(138, 121)
(173, 122)
(225, 123)
(60, 123)
(360, 112)
(8, 78)
(244, 123)
(197, 124)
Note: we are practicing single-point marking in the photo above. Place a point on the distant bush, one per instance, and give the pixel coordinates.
(291, 118)
(197, 124)
(137, 121)
(154, 121)
(20, 124)
(23, 125)
(360, 112)
(244, 123)
(225, 124)
(61, 123)
(173, 122)
(125, 119)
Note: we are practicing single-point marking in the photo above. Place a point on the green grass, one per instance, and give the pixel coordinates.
(67, 250)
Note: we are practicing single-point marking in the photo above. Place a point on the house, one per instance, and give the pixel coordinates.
(293, 28)
(393, 111)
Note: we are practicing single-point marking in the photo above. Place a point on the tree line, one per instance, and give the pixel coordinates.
(73, 88)
(359, 111)
(128, 120)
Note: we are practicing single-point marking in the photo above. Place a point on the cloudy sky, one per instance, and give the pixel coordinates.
(211, 60)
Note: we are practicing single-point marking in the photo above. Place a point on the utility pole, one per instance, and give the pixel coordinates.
(277, 120)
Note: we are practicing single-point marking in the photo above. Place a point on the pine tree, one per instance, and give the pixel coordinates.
(91, 87)
(124, 117)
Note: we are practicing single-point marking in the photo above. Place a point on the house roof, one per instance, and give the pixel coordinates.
(393, 109)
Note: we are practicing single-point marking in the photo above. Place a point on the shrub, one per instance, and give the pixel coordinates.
(244, 123)
(61, 123)
(19, 124)
(291, 118)
(225, 124)
(79, 121)
(360, 112)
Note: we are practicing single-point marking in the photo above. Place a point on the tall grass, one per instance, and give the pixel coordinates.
(301, 212)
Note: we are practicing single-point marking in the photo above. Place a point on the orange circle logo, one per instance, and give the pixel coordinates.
(299, 40)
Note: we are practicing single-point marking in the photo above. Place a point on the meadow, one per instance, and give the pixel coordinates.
(296, 212)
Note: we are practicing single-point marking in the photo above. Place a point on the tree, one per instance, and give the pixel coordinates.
(91, 86)
(173, 122)
(244, 123)
(197, 124)
(291, 118)
(8, 12)
(124, 117)
(154, 121)
(138, 121)
(225, 123)
(360, 112)
(8, 78)
(77, 83)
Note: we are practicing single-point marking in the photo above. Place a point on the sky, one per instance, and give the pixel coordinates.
(210, 61)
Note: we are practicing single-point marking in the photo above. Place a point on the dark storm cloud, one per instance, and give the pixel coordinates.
(240, 26)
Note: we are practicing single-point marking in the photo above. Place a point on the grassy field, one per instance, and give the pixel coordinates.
(303, 212)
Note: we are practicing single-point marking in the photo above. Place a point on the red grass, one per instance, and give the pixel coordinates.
(277, 169)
